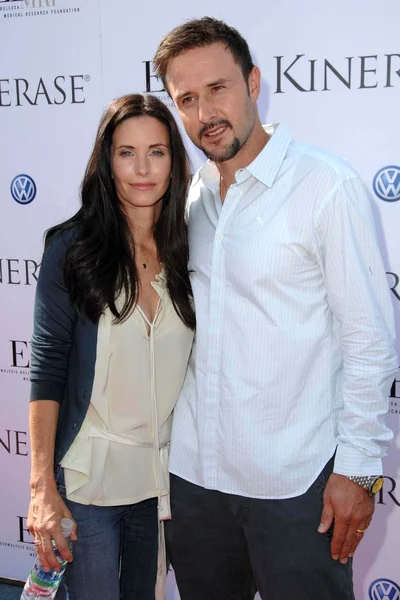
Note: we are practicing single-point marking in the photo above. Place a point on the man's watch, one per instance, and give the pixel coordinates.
(372, 483)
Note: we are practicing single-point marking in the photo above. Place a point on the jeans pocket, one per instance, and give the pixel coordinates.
(319, 488)
(60, 482)
(61, 490)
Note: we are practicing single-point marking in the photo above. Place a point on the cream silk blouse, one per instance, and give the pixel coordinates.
(120, 455)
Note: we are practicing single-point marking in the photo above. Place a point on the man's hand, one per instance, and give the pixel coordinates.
(46, 510)
(351, 508)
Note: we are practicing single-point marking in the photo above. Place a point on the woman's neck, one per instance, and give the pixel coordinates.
(141, 222)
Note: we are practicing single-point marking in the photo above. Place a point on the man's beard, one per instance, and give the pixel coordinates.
(230, 151)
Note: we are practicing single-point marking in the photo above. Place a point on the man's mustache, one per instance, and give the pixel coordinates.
(213, 125)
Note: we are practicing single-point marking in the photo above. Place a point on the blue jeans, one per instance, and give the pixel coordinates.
(115, 556)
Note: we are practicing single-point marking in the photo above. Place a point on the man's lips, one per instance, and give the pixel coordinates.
(215, 132)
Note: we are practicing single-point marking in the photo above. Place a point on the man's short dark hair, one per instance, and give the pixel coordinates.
(198, 33)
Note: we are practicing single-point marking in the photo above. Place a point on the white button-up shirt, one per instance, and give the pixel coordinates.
(294, 352)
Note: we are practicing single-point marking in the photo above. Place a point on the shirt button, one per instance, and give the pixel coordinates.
(220, 236)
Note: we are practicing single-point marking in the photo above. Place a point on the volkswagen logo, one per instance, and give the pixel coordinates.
(387, 183)
(384, 589)
(23, 189)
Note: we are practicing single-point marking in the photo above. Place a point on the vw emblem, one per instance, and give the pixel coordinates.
(387, 183)
(384, 589)
(23, 189)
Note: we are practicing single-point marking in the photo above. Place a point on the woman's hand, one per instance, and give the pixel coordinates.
(46, 510)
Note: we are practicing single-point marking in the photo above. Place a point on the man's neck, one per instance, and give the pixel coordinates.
(227, 169)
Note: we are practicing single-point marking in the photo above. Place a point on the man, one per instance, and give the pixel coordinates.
(278, 434)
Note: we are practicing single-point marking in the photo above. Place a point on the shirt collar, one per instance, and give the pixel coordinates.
(264, 167)
(208, 173)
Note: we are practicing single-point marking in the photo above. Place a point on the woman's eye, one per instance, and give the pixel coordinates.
(157, 153)
(126, 153)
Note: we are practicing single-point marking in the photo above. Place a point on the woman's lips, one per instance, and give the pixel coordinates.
(142, 186)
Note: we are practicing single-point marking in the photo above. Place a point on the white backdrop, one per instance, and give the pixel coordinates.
(331, 72)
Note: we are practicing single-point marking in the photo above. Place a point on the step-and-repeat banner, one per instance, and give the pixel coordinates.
(331, 72)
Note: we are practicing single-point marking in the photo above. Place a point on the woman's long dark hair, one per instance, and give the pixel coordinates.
(101, 262)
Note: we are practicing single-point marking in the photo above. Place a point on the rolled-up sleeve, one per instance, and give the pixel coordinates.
(54, 322)
(359, 297)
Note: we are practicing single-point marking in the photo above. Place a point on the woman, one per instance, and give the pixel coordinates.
(113, 329)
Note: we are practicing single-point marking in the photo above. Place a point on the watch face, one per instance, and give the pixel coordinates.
(377, 485)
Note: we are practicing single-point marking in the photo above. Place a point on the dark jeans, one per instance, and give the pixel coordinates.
(227, 546)
(115, 557)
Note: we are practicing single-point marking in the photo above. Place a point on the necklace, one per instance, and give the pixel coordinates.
(144, 265)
